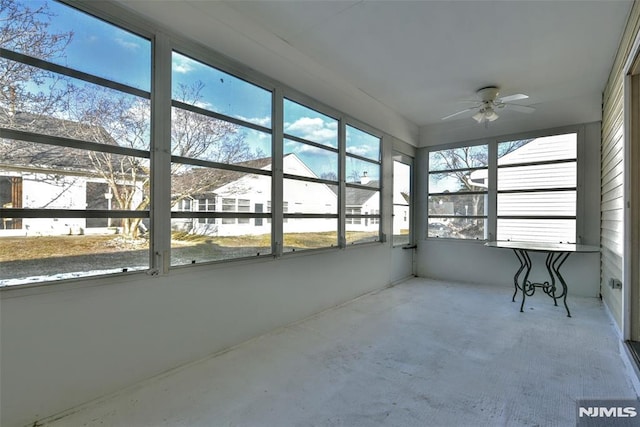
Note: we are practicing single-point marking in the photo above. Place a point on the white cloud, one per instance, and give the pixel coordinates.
(127, 44)
(261, 121)
(183, 65)
(360, 150)
(313, 129)
(182, 68)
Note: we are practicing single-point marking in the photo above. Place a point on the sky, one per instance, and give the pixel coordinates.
(110, 52)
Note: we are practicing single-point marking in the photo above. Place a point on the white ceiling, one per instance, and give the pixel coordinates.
(420, 59)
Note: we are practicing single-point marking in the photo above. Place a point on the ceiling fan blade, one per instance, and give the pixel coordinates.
(520, 108)
(459, 113)
(515, 97)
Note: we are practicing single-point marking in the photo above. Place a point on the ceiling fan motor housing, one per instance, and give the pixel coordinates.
(488, 94)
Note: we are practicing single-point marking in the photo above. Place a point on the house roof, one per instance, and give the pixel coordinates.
(36, 155)
(357, 196)
(48, 125)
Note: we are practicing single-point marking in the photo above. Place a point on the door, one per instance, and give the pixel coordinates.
(403, 243)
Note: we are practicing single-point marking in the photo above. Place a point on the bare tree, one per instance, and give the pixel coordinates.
(24, 28)
(458, 165)
(40, 101)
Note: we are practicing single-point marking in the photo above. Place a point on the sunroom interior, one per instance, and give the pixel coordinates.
(187, 185)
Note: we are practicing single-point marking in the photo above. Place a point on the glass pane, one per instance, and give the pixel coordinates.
(309, 233)
(363, 172)
(226, 191)
(363, 144)
(459, 205)
(357, 237)
(362, 202)
(34, 250)
(457, 228)
(537, 230)
(71, 38)
(308, 160)
(557, 203)
(548, 148)
(52, 177)
(194, 240)
(207, 87)
(452, 182)
(310, 124)
(310, 197)
(401, 202)
(50, 104)
(459, 158)
(556, 175)
(367, 202)
(401, 224)
(401, 183)
(202, 137)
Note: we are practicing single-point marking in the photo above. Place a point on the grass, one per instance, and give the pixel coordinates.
(39, 247)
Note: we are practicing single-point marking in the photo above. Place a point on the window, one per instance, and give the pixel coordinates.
(220, 145)
(363, 173)
(76, 160)
(458, 193)
(401, 202)
(74, 148)
(310, 186)
(537, 189)
(207, 205)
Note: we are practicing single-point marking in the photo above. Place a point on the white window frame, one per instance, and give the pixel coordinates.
(491, 229)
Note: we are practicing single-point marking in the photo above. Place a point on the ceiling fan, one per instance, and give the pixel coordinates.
(488, 102)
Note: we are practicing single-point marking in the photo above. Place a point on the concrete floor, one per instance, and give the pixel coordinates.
(423, 353)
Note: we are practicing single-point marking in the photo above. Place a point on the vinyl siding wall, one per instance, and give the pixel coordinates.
(612, 171)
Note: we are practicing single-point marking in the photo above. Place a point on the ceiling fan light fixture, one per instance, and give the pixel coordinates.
(486, 114)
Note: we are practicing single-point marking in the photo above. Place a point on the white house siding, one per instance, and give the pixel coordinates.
(563, 203)
(300, 197)
(43, 191)
(401, 219)
(612, 171)
(370, 207)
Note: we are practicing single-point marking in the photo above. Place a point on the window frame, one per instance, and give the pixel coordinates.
(159, 213)
(471, 169)
(80, 144)
(492, 217)
(410, 219)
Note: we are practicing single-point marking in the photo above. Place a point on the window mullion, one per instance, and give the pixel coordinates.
(161, 155)
(277, 170)
(342, 178)
(492, 193)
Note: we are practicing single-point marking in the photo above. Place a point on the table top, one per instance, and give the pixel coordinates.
(543, 246)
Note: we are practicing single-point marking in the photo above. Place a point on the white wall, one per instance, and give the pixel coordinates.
(471, 261)
(65, 344)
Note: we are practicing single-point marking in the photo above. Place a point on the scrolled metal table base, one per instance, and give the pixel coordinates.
(553, 263)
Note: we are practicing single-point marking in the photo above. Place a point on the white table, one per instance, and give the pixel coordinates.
(557, 254)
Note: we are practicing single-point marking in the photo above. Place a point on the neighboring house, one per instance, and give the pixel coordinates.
(39, 176)
(235, 192)
(363, 202)
(537, 177)
(401, 215)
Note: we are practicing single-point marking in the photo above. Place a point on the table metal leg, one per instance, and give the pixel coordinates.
(516, 284)
(551, 290)
(527, 288)
(557, 263)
